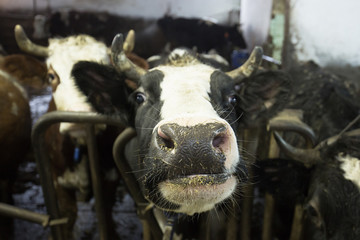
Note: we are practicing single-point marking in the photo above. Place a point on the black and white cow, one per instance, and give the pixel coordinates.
(324, 179)
(332, 203)
(186, 113)
(333, 200)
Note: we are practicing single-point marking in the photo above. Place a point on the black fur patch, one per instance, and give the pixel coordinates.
(104, 87)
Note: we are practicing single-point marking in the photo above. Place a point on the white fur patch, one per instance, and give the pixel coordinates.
(185, 90)
(177, 53)
(77, 179)
(215, 57)
(351, 167)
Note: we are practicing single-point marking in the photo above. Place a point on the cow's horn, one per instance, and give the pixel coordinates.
(129, 42)
(249, 67)
(292, 125)
(121, 62)
(27, 46)
(308, 157)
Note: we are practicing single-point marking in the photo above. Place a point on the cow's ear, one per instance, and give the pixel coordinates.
(103, 86)
(263, 94)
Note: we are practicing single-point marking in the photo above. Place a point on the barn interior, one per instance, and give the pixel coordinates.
(291, 32)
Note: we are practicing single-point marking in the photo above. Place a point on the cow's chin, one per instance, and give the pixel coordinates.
(198, 193)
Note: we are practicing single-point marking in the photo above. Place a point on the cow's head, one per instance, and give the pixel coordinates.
(332, 206)
(185, 113)
(61, 55)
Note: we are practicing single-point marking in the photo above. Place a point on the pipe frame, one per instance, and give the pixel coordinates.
(46, 180)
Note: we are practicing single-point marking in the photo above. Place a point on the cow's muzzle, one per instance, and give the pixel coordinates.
(193, 165)
(199, 149)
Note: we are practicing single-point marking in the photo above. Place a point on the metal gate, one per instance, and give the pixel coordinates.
(153, 226)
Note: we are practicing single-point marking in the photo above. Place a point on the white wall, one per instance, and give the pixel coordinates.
(255, 21)
(326, 31)
(219, 10)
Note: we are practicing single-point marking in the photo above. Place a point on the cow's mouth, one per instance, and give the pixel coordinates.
(200, 180)
(198, 193)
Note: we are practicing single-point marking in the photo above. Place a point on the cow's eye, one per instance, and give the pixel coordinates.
(232, 99)
(51, 77)
(140, 97)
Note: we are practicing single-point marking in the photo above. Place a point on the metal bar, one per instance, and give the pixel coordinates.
(45, 174)
(131, 182)
(15, 212)
(232, 223)
(269, 199)
(96, 182)
(46, 180)
(268, 217)
(297, 224)
(250, 143)
(27, 215)
(246, 212)
(42, 162)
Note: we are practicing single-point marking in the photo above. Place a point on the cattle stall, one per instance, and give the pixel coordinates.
(252, 216)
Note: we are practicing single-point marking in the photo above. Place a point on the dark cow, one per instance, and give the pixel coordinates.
(325, 186)
(332, 203)
(70, 171)
(202, 34)
(185, 113)
(17, 74)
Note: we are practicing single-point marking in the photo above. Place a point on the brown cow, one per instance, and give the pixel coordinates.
(71, 174)
(18, 73)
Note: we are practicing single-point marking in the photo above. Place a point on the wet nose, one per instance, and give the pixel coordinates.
(211, 136)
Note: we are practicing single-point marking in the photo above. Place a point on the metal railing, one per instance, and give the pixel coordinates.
(46, 179)
(151, 224)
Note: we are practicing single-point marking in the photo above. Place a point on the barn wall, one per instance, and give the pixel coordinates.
(255, 21)
(326, 31)
(136, 8)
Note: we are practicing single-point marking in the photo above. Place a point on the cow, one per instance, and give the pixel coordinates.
(332, 202)
(203, 34)
(70, 170)
(185, 113)
(19, 74)
(329, 106)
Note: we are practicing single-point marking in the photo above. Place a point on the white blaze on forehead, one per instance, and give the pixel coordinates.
(185, 90)
(351, 167)
(64, 53)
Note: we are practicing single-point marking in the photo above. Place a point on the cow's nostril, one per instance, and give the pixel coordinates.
(164, 140)
(168, 143)
(218, 140)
